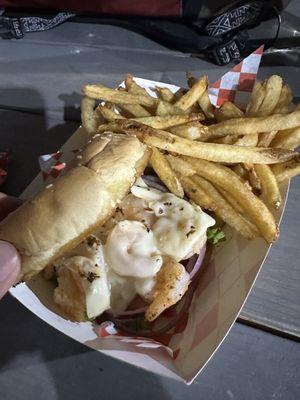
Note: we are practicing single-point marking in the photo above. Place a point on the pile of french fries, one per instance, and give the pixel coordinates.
(224, 159)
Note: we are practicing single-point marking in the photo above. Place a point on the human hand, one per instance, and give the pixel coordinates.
(10, 262)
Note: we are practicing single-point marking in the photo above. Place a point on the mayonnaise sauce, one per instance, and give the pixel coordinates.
(179, 225)
(148, 225)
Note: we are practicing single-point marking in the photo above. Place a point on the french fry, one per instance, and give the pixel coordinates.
(231, 200)
(248, 140)
(133, 87)
(228, 139)
(109, 114)
(273, 87)
(89, 117)
(229, 181)
(287, 170)
(253, 178)
(204, 101)
(134, 110)
(154, 121)
(241, 171)
(180, 166)
(284, 103)
(227, 111)
(208, 151)
(165, 94)
(110, 127)
(191, 80)
(247, 126)
(179, 93)
(192, 95)
(117, 96)
(266, 138)
(163, 169)
(257, 97)
(196, 194)
(168, 121)
(164, 108)
(269, 185)
(206, 106)
(191, 130)
(287, 139)
(224, 210)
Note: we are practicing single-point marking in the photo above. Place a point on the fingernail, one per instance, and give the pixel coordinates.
(9, 266)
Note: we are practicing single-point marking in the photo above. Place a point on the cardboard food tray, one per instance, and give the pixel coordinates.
(216, 303)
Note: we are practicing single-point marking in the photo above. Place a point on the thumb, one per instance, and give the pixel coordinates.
(10, 265)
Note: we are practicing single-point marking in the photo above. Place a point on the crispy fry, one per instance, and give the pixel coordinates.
(208, 151)
(168, 121)
(206, 106)
(192, 95)
(163, 169)
(266, 138)
(284, 103)
(269, 185)
(180, 166)
(257, 97)
(89, 117)
(191, 80)
(134, 110)
(227, 111)
(253, 178)
(109, 114)
(273, 87)
(165, 94)
(172, 282)
(204, 101)
(246, 126)
(224, 210)
(231, 200)
(133, 87)
(110, 127)
(117, 96)
(164, 108)
(191, 130)
(196, 194)
(248, 140)
(241, 171)
(287, 170)
(179, 93)
(229, 181)
(228, 139)
(287, 139)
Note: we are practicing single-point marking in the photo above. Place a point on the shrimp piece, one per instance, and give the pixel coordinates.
(136, 209)
(172, 282)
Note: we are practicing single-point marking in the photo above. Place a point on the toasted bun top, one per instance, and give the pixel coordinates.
(77, 203)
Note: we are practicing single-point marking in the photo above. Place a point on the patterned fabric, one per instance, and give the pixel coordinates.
(232, 19)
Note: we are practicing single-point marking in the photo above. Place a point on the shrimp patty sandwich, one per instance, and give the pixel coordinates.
(106, 235)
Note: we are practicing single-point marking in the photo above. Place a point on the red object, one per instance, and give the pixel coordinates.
(153, 8)
(3, 165)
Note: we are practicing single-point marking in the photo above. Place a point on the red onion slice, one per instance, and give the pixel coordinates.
(154, 182)
(194, 263)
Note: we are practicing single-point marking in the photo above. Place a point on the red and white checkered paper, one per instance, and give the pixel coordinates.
(237, 84)
(205, 315)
